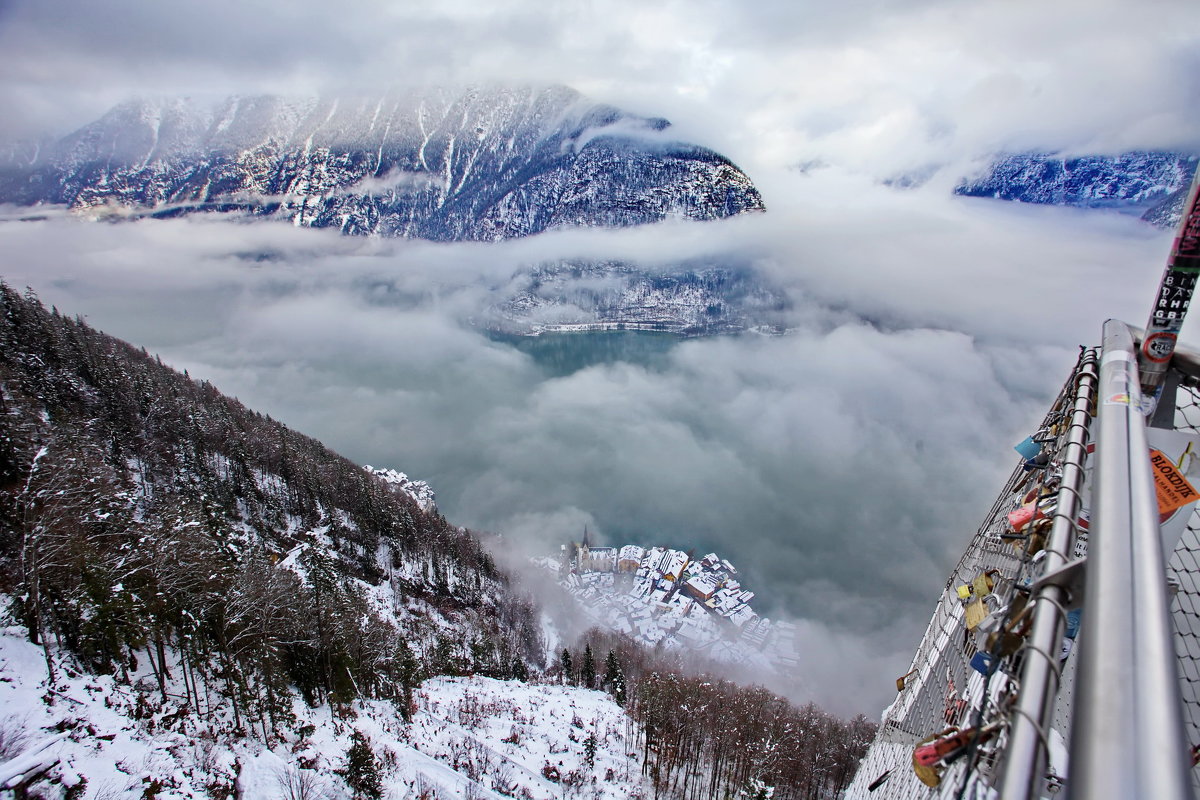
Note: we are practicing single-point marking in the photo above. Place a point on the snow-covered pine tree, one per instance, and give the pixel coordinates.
(589, 749)
(362, 771)
(565, 662)
(619, 691)
(587, 673)
(610, 671)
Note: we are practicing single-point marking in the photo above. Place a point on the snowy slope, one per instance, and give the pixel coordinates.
(263, 570)
(102, 737)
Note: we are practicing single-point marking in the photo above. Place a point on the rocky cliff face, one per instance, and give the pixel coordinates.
(1153, 184)
(477, 165)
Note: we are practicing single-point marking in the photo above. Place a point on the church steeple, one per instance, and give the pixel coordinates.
(582, 555)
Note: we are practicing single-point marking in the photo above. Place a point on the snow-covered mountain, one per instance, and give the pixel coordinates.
(480, 164)
(1151, 184)
(476, 164)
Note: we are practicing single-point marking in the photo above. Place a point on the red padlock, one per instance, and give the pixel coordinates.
(930, 754)
(949, 747)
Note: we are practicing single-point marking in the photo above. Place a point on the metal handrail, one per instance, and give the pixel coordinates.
(1025, 757)
(1127, 732)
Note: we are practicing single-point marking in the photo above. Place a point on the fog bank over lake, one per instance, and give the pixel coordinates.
(841, 466)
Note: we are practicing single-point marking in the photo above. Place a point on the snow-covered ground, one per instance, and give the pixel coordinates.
(99, 738)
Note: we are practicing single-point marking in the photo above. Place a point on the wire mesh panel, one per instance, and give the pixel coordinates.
(963, 676)
(944, 735)
(1184, 570)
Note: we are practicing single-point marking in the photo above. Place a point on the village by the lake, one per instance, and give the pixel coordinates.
(667, 598)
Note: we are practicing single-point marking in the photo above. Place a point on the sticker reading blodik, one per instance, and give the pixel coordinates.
(1172, 489)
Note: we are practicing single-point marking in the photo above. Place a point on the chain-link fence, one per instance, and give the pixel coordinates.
(1183, 570)
(956, 699)
(945, 734)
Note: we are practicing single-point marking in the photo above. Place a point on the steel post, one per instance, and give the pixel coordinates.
(1174, 295)
(1127, 732)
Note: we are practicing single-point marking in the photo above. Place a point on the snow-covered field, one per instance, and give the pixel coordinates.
(98, 737)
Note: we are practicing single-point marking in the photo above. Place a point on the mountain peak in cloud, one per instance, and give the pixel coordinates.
(483, 163)
(1152, 184)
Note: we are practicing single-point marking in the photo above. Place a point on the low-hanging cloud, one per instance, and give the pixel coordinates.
(842, 467)
(395, 180)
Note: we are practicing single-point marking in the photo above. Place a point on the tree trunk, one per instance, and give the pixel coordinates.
(158, 674)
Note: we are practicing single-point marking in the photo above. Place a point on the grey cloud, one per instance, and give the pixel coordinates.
(843, 466)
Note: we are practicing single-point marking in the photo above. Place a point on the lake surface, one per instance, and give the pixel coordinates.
(562, 354)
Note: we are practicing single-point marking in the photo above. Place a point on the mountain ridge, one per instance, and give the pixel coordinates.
(1152, 184)
(481, 164)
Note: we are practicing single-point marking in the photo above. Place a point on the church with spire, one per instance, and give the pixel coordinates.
(582, 557)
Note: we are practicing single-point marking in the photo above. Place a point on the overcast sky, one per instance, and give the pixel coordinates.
(879, 85)
(845, 465)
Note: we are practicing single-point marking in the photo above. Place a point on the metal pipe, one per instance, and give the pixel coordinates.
(1174, 295)
(1025, 757)
(1127, 732)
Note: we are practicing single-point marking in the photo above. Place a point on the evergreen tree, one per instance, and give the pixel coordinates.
(587, 673)
(362, 771)
(614, 678)
(565, 661)
(481, 657)
(611, 668)
(618, 687)
(589, 749)
(408, 673)
(519, 671)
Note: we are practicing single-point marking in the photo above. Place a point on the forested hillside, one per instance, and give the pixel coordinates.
(143, 509)
(702, 736)
(177, 568)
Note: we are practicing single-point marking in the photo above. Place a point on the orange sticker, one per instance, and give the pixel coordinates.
(1172, 488)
